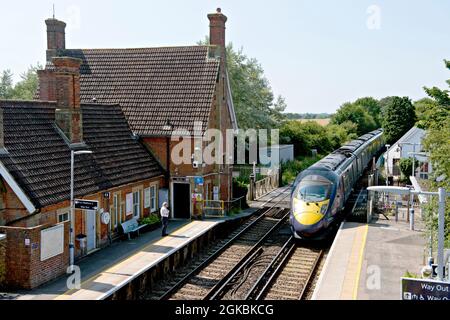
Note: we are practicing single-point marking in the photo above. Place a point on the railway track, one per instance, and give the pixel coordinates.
(202, 278)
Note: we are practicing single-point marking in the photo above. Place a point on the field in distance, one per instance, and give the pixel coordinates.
(322, 122)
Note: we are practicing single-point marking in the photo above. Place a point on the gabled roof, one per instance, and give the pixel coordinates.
(405, 138)
(38, 157)
(152, 85)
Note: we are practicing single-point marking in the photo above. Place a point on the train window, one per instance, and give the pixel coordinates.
(314, 190)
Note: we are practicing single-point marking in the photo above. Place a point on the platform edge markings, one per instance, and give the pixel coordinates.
(354, 262)
(70, 293)
(326, 265)
(360, 263)
(136, 251)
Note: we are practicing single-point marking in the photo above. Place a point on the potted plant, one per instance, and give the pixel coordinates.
(152, 222)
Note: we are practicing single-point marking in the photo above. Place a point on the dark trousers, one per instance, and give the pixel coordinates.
(165, 222)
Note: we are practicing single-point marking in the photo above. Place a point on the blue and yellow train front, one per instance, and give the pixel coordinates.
(310, 203)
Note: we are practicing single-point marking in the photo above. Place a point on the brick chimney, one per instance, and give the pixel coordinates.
(217, 22)
(67, 94)
(56, 37)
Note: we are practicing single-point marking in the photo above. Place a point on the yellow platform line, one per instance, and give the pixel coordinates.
(360, 263)
(66, 295)
(354, 264)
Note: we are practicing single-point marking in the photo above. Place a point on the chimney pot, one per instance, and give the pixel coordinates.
(217, 22)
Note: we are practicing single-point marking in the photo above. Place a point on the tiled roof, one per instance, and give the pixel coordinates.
(152, 85)
(38, 157)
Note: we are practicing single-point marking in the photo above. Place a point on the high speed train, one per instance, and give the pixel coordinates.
(320, 192)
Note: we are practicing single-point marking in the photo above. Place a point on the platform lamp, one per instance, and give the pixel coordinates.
(72, 207)
(442, 194)
(387, 163)
(168, 127)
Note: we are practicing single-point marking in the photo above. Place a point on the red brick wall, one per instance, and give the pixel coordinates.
(2, 260)
(24, 268)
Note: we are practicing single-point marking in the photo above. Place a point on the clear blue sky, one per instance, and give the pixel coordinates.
(317, 54)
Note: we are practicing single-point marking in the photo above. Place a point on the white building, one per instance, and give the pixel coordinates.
(408, 146)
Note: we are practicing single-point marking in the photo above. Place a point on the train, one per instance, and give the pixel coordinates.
(319, 193)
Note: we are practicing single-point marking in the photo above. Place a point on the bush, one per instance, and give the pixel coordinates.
(291, 169)
(150, 220)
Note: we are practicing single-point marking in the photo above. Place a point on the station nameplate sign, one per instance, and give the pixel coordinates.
(86, 204)
(423, 289)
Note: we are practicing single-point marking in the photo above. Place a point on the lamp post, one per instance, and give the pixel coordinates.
(387, 163)
(72, 208)
(442, 194)
(168, 127)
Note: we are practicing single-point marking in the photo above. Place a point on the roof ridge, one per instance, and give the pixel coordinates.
(140, 48)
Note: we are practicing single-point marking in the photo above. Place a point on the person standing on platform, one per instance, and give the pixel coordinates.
(165, 218)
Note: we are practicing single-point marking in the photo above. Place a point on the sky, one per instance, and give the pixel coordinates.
(317, 54)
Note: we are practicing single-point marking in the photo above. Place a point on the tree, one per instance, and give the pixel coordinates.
(406, 166)
(398, 117)
(372, 106)
(6, 84)
(25, 89)
(356, 114)
(254, 102)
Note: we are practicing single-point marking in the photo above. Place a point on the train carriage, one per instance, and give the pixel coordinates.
(319, 193)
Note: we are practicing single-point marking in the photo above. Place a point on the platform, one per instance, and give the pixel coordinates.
(279, 197)
(366, 261)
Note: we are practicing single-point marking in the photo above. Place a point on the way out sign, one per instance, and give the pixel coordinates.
(421, 289)
(86, 204)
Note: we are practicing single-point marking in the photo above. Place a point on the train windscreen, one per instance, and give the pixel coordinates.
(314, 189)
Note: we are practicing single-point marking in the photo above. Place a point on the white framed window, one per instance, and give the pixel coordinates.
(137, 204)
(63, 217)
(153, 198)
(116, 211)
(150, 198)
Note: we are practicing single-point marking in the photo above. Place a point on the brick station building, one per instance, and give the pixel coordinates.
(162, 91)
(35, 154)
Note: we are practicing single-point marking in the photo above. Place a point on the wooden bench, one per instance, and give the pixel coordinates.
(130, 226)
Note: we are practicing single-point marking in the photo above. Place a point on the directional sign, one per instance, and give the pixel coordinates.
(423, 289)
(86, 204)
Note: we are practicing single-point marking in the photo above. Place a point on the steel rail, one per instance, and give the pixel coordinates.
(260, 285)
(205, 263)
(219, 288)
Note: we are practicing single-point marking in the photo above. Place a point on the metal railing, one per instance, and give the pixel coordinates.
(220, 208)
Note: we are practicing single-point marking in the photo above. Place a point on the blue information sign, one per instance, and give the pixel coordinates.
(199, 181)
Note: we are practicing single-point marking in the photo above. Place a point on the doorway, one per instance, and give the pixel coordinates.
(181, 201)
(90, 230)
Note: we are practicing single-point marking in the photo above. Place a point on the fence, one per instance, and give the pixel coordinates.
(219, 208)
(261, 187)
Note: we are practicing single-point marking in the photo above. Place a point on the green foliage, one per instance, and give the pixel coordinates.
(398, 117)
(254, 102)
(291, 169)
(373, 108)
(25, 89)
(434, 116)
(406, 166)
(151, 219)
(297, 116)
(305, 136)
(357, 114)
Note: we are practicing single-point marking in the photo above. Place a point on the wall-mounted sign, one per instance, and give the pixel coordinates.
(424, 289)
(86, 204)
(197, 196)
(199, 181)
(129, 204)
(52, 242)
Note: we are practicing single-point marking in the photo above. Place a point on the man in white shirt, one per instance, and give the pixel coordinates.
(165, 218)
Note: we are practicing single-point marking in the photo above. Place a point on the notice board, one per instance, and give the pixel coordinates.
(52, 242)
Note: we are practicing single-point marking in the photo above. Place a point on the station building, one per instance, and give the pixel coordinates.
(35, 165)
(163, 91)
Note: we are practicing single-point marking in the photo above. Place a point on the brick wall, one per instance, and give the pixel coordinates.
(24, 268)
(2, 259)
